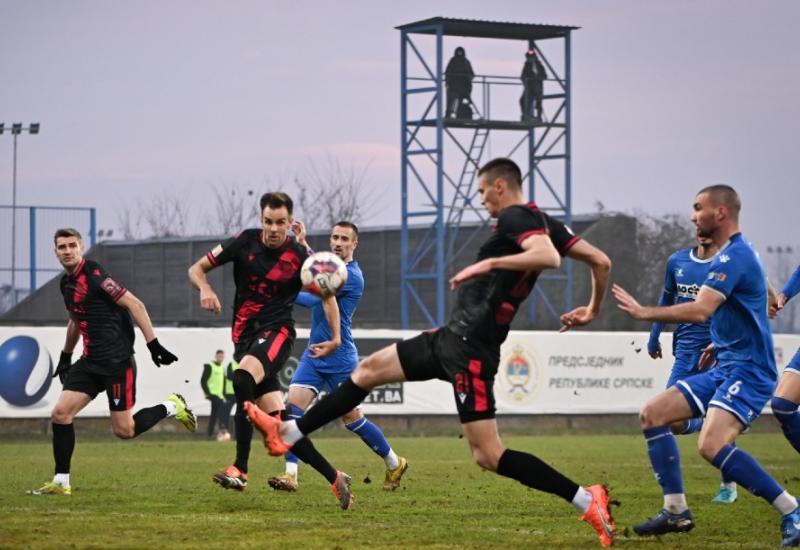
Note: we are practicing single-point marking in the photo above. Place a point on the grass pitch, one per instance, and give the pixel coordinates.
(153, 493)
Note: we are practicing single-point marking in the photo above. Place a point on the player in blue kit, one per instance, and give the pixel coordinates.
(314, 375)
(787, 395)
(687, 270)
(732, 395)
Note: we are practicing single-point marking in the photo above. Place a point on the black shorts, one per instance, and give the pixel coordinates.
(272, 348)
(468, 366)
(117, 379)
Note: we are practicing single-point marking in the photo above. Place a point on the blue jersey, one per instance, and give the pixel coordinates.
(792, 285)
(348, 297)
(740, 326)
(685, 274)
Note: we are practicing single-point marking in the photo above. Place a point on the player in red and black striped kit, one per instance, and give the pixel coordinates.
(266, 269)
(466, 352)
(100, 311)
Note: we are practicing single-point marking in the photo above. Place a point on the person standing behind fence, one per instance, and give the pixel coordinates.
(230, 400)
(213, 383)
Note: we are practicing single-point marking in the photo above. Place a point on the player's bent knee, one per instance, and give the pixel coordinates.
(352, 416)
(708, 447)
(61, 416)
(124, 432)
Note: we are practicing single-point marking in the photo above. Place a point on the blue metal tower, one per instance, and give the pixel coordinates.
(441, 210)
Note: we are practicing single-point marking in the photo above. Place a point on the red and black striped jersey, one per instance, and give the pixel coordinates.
(486, 305)
(91, 296)
(267, 281)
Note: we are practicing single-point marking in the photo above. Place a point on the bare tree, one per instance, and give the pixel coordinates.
(166, 215)
(129, 222)
(332, 192)
(656, 239)
(234, 209)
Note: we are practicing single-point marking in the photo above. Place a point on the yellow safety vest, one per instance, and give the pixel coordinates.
(228, 381)
(217, 379)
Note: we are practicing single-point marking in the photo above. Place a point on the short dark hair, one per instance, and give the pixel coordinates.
(219, 351)
(502, 168)
(724, 195)
(277, 199)
(66, 232)
(351, 225)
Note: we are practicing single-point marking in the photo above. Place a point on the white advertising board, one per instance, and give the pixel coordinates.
(540, 372)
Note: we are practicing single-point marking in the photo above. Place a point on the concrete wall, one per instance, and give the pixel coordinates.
(156, 272)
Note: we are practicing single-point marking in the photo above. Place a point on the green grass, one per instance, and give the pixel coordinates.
(158, 494)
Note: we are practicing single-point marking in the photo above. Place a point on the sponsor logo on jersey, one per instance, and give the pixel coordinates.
(717, 275)
(679, 272)
(688, 291)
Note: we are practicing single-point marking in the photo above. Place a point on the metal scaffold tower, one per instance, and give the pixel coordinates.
(442, 151)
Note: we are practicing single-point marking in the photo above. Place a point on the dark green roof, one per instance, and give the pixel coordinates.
(487, 29)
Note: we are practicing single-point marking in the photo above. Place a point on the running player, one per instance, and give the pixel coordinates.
(787, 395)
(266, 270)
(100, 310)
(687, 270)
(732, 395)
(326, 373)
(466, 352)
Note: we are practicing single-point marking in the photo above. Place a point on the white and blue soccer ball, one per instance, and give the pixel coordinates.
(323, 273)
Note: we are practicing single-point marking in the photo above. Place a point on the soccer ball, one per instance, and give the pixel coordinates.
(323, 273)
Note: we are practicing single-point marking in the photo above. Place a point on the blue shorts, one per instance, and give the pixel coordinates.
(739, 389)
(685, 366)
(794, 364)
(312, 375)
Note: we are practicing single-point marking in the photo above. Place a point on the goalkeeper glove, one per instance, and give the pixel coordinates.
(64, 364)
(160, 354)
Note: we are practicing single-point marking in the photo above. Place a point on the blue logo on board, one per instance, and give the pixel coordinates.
(23, 360)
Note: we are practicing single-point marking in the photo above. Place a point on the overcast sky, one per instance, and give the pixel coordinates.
(138, 97)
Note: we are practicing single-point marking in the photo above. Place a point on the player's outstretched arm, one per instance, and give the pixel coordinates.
(791, 289)
(197, 276)
(331, 308)
(698, 311)
(159, 354)
(600, 264)
(538, 254)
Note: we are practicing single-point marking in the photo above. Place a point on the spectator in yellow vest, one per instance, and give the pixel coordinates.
(230, 399)
(213, 383)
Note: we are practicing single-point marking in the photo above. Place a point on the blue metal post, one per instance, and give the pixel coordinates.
(403, 184)
(92, 226)
(32, 244)
(568, 156)
(440, 228)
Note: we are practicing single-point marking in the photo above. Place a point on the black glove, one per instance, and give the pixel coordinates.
(64, 364)
(159, 354)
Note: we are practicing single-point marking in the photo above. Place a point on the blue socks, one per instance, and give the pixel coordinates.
(786, 413)
(293, 412)
(371, 435)
(693, 425)
(665, 458)
(739, 466)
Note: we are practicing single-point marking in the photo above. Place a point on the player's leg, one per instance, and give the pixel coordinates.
(120, 388)
(373, 437)
(490, 453)
(784, 402)
(655, 418)
(381, 367)
(721, 427)
(301, 394)
(69, 404)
